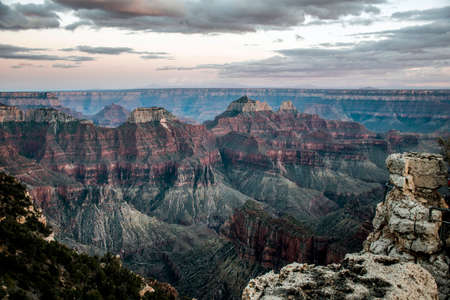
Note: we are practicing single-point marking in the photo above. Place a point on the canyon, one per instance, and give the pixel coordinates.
(207, 206)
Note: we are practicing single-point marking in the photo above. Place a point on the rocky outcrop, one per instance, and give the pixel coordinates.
(151, 114)
(403, 258)
(245, 104)
(111, 116)
(287, 106)
(363, 276)
(405, 225)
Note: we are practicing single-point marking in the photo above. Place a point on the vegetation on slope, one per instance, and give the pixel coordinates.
(33, 268)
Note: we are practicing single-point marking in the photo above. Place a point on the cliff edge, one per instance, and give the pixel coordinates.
(405, 257)
(150, 114)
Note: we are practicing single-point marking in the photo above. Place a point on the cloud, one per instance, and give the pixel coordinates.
(100, 50)
(129, 8)
(156, 55)
(15, 52)
(29, 16)
(118, 51)
(206, 16)
(405, 50)
(434, 14)
(26, 65)
(65, 66)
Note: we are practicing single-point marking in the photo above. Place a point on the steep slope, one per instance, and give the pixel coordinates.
(34, 266)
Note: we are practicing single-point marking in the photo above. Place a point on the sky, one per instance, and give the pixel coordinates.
(126, 44)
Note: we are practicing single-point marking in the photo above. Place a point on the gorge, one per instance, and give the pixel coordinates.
(204, 207)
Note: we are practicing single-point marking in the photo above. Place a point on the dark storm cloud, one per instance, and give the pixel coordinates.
(205, 16)
(15, 52)
(393, 51)
(29, 16)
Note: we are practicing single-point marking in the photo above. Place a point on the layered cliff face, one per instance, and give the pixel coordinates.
(158, 191)
(272, 241)
(403, 258)
(111, 116)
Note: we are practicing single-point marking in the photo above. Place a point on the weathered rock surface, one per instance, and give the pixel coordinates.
(404, 225)
(365, 276)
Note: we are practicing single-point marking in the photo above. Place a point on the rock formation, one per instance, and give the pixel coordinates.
(403, 258)
(150, 114)
(245, 104)
(405, 225)
(287, 106)
(111, 116)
